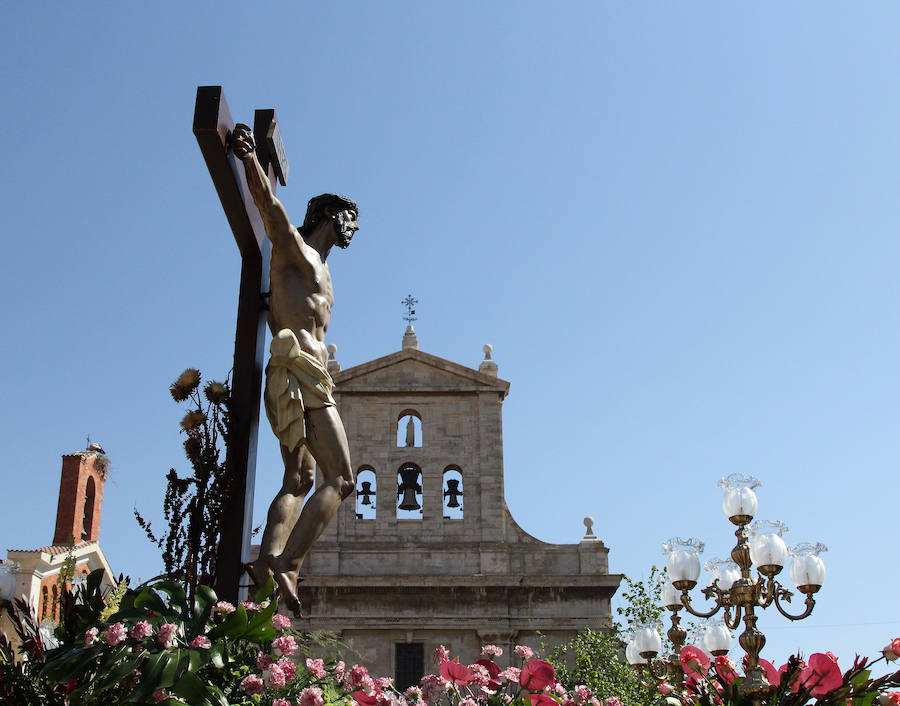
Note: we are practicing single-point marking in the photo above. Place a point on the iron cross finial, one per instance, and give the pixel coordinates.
(410, 303)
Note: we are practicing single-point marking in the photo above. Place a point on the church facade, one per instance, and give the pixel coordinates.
(429, 553)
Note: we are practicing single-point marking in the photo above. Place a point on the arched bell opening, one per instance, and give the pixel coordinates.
(87, 519)
(409, 492)
(453, 493)
(409, 429)
(365, 493)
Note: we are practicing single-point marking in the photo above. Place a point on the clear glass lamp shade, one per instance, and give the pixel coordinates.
(670, 596)
(725, 571)
(647, 641)
(717, 639)
(632, 655)
(683, 564)
(739, 499)
(807, 567)
(767, 549)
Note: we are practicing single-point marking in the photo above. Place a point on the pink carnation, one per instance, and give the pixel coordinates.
(115, 633)
(357, 677)
(252, 684)
(382, 682)
(140, 630)
(511, 674)
(480, 674)
(441, 654)
(524, 651)
(491, 651)
(166, 636)
(582, 695)
(250, 605)
(90, 636)
(433, 688)
(285, 645)
(273, 677)
(280, 622)
(612, 701)
(159, 694)
(339, 670)
(288, 667)
(263, 660)
(311, 696)
(281, 702)
(202, 642)
(223, 607)
(317, 667)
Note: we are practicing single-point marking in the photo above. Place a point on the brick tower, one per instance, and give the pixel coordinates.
(81, 496)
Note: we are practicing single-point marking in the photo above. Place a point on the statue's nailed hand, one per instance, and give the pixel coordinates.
(242, 143)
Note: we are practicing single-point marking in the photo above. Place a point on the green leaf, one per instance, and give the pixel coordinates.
(233, 626)
(148, 599)
(149, 678)
(215, 655)
(266, 591)
(860, 678)
(194, 691)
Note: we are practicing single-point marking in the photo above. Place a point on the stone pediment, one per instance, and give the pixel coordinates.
(411, 369)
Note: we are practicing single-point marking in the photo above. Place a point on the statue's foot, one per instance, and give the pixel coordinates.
(287, 582)
(258, 571)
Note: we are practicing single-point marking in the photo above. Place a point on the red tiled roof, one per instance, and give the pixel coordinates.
(53, 549)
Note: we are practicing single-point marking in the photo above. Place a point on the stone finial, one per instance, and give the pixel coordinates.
(333, 365)
(410, 340)
(488, 366)
(589, 535)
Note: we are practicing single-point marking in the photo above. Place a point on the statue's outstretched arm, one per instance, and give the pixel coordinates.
(275, 218)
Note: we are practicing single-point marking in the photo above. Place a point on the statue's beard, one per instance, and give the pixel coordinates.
(344, 238)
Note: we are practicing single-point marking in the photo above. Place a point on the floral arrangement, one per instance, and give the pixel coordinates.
(819, 679)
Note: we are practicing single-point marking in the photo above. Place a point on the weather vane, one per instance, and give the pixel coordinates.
(409, 303)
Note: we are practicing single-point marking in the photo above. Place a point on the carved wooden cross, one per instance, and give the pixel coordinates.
(212, 127)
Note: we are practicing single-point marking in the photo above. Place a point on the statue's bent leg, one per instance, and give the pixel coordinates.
(299, 476)
(327, 442)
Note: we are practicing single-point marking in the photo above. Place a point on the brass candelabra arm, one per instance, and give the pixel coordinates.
(639, 668)
(782, 594)
(732, 622)
(767, 591)
(708, 592)
(659, 669)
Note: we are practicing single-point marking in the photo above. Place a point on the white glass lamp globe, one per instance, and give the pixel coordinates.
(807, 567)
(717, 639)
(647, 641)
(670, 596)
(725, 571)
(683, 564)
(632, 655)
(739, 500)
(767, 549)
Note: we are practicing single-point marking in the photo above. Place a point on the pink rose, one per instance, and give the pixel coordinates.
(252, 684)
(285, 645)
(273, 677)
(491, 651)
(201, 642)
(536, 674)
(317, 667)
(166, 636)
(726, 668)
(280, 622)
(90, 636)
(693, 659)
(311, 696)
(140, 630)
(665, 688)
(524, 651)
(288, 667)
(115, 633)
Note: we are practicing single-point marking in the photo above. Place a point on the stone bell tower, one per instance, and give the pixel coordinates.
(81, 496)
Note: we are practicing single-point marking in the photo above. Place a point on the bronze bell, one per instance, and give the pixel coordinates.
(409, 486)
(453, 492)
(366, 492)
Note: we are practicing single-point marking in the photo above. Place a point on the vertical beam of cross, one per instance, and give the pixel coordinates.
(213, 125)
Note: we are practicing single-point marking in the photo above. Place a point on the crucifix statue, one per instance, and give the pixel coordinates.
(298, 389)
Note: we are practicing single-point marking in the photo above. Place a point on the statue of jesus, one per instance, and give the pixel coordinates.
(298, 389)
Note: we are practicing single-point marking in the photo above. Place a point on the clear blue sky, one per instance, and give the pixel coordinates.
(675, 222)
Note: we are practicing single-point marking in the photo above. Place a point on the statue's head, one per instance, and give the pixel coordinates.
(340, 210)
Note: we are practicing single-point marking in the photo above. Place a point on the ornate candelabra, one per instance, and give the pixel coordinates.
(733, 589)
